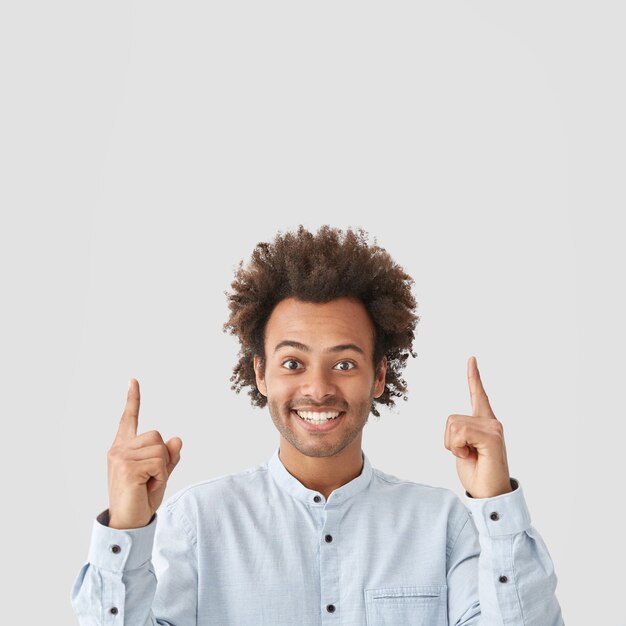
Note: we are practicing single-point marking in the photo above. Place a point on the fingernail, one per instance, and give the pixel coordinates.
(130, 384)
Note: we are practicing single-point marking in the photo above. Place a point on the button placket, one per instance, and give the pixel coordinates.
(329, 566)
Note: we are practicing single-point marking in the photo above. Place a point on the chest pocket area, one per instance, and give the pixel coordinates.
(422, 605)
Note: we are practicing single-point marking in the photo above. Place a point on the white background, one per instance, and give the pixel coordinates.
(146, 147)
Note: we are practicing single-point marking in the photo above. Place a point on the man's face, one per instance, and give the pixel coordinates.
(330, 368)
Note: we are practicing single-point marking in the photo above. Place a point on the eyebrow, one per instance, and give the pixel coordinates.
(300, 346)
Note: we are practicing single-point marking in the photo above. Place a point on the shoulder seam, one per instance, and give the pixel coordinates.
(186, 524)
(403, 481)
(463, 525)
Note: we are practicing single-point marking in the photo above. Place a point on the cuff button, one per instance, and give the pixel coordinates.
(115, 549)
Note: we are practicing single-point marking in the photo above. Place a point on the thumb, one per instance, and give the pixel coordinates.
(463, 453)
(173, 446)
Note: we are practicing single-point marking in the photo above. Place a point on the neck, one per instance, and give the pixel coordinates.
(323, 474)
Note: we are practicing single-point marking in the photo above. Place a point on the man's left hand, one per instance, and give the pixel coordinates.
(477, 441)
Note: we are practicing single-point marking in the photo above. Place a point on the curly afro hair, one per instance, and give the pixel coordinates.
(319, 268)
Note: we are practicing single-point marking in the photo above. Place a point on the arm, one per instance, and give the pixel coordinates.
(516, 580)
(118, 584)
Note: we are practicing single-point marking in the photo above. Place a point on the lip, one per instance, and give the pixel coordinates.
(315, 428)
(330, 409)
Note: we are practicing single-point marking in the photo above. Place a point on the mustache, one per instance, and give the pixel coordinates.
(316, 405)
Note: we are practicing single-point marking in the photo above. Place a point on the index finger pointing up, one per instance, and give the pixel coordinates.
(130, 417)
(478, 396)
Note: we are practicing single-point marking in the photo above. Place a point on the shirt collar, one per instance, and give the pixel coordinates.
(296, 489)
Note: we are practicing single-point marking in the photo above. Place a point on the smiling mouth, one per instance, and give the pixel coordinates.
(324, 416)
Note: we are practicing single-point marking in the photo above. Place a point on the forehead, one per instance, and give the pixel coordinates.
(338, 321)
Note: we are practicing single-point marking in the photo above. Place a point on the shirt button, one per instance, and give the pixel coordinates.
(115, 549)
(330, 608)
(328, 538)
(494, 516)
(503, 579)
(113, 610)
(317, 499)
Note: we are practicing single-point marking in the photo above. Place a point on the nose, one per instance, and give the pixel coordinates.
(317, 383)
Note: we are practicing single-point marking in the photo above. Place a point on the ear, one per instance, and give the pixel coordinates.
(379, 381)
(260, 378)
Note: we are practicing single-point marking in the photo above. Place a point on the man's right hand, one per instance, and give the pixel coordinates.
(138, 468)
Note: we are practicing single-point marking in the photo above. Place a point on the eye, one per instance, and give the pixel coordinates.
(348, 363)
(290, 361)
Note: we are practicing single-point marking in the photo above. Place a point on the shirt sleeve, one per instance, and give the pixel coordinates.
(516, 579)
(119, 585)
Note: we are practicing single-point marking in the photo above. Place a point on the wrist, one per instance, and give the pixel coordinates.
(492, 493)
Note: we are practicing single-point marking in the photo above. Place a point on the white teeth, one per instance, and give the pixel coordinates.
(317, 416)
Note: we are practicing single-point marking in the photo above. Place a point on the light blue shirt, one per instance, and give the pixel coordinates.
(259, 548)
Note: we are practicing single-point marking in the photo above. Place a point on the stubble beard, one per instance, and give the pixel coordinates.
(313, 444)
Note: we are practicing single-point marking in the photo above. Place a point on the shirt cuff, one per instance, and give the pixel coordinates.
(117, 549)
(506, 514)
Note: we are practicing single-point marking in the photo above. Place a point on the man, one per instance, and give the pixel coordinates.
(316, 535)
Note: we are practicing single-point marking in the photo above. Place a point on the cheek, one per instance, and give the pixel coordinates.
(280, 386)
(352, 389)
